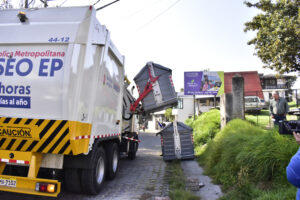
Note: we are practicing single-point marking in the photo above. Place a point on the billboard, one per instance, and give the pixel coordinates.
(204, 83)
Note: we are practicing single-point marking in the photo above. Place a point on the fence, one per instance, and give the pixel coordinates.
(257, 105)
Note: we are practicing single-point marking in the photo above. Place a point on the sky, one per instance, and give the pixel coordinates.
(183, 35)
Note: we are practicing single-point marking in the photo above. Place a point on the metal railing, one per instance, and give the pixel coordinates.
(257, 106)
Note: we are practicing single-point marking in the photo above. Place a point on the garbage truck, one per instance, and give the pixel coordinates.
(66, 113)
(64, 105)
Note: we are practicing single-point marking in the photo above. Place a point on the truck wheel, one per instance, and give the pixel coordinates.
(112, 160)
(133, 149)
(93, 178)
(72, 180)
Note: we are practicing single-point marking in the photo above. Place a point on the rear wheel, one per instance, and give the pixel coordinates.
(112, 160)
(93, 177)
(133, 149)
(133, 146)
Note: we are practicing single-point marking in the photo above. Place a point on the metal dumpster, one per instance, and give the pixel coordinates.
(177, 141)
(162, 94)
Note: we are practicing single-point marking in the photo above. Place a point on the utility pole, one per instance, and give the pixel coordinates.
(26, 3)
(45, 3)
(194, 106)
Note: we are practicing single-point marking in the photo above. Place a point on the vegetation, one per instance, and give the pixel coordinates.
(293, 104)
(250, 162)
(205, 126)
(277, 29)
(263, 118)
(168, 115)
(247, 160)
(176, 181)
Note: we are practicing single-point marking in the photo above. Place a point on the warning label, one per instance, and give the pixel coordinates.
(15, 132)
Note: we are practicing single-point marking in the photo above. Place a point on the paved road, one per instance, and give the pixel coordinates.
(142, 178)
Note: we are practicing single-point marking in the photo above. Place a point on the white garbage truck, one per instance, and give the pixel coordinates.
(64, 106)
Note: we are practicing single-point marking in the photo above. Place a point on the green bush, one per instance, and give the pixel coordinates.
(250, 162)
(205, 126)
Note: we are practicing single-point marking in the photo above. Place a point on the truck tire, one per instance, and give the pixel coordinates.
(93, 178)
(112, 154)
(72, 180)
(133, 147)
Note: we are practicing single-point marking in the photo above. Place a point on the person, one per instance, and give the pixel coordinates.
(210, 84)
(205, 86)
(203, 82)
(293, 168)
(278, 108)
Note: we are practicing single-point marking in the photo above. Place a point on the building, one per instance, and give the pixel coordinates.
(252, 83)
(280, 83)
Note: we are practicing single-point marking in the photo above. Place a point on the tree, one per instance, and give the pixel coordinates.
(5, 4)
(168, 115)
(277, 40)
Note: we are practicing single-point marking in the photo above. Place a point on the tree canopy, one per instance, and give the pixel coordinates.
(5, 4)
(168, 115)
(277, 41)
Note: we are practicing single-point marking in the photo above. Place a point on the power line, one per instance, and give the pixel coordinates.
(160, 14)
(96, 2)
(63, 3)
(107, 5)
(142, 9)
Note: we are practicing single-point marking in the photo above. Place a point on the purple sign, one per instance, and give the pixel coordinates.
(192, 82)
(203, 83)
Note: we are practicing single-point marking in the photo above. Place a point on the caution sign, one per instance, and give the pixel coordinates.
(22, 132)
(44, 135)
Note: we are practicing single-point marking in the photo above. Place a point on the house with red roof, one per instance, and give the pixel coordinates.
(252, 84)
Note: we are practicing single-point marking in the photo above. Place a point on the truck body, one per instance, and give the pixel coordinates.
(61, 102)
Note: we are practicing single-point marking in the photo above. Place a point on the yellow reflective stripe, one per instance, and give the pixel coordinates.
(44, 136)
(16, 144)
(5, 144)
(55, 139)
(68, 150)
(48, 133)
(26, 145)
(2, 119)
(61, 144)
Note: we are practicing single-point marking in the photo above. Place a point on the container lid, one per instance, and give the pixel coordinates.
(138, 77)
(180, 126)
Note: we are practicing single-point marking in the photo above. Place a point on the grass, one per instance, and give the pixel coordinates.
(293, 104)
(176, 180)
(205, 126)
(262, 119)
(250, 162)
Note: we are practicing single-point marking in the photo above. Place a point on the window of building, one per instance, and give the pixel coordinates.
(179, 103)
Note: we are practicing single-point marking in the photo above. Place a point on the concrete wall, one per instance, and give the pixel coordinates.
(238, 101)
(225, 108)
(232, 105)
(187, 111)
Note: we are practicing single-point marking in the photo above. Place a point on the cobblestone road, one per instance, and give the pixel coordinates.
(142, 178)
